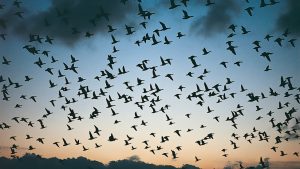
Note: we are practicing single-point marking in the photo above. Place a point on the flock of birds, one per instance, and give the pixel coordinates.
(150, 95)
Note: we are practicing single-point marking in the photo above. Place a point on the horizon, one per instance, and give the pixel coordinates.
(135, 160)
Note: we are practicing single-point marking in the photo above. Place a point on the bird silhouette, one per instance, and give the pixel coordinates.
(112, 138)
(173, 5)
(5, 61)
(208, 3)
(205, 52)
(186, 15)
(249, 10)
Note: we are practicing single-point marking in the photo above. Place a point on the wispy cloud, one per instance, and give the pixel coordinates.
(8, 148)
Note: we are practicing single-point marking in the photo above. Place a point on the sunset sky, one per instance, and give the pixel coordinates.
(208, 28)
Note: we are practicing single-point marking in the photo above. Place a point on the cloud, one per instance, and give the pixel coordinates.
(292, 133)
(134, 158)
(62, 16)
(8, 148)
(218, 18)
(32, 161)
(291, 18)
(187, 166)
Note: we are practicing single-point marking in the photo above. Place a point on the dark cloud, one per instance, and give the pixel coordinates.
(290, 19)
(32, 161)
(218, 18)
(290, 132)
(62, 16)
(292, 135)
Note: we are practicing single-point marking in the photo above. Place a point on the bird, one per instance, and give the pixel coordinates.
(177, 132)
(186, 15)
(91, 137)
(217, 118)
(170, 76)
(77, 142)
(88, 34)
(31, 147)
(110, 28)
(97, 130)
(114, 41)
(174, 155)
(197, 159)
(250, 10)
(279, 41)
(5, 61)
(112, 138)
(194, 61)
(273, 2)
(208, 3)
(3, 36)
(28, 137)
(84, 148)
(41, 140)
(205, 52)
(232, 27)
(154, 40)
(232, 49)
(167, 41)
(244, 30)
(179, 35)
(17, 3)
(292, 42)
(163, 25)
(184, 2)
(144, 24)
(129, 29)
(224, 64)
(238, 63)
(267, 68)
(274, 148)
(266, 55)
(268, 36)
(263, 3)
(173, 5)
(49, 40)
(19, 14)
(65, 143)
(282, 153)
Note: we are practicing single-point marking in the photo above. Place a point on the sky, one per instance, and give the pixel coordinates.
(207, 28)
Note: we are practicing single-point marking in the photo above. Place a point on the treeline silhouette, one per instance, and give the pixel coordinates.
(33, 161)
